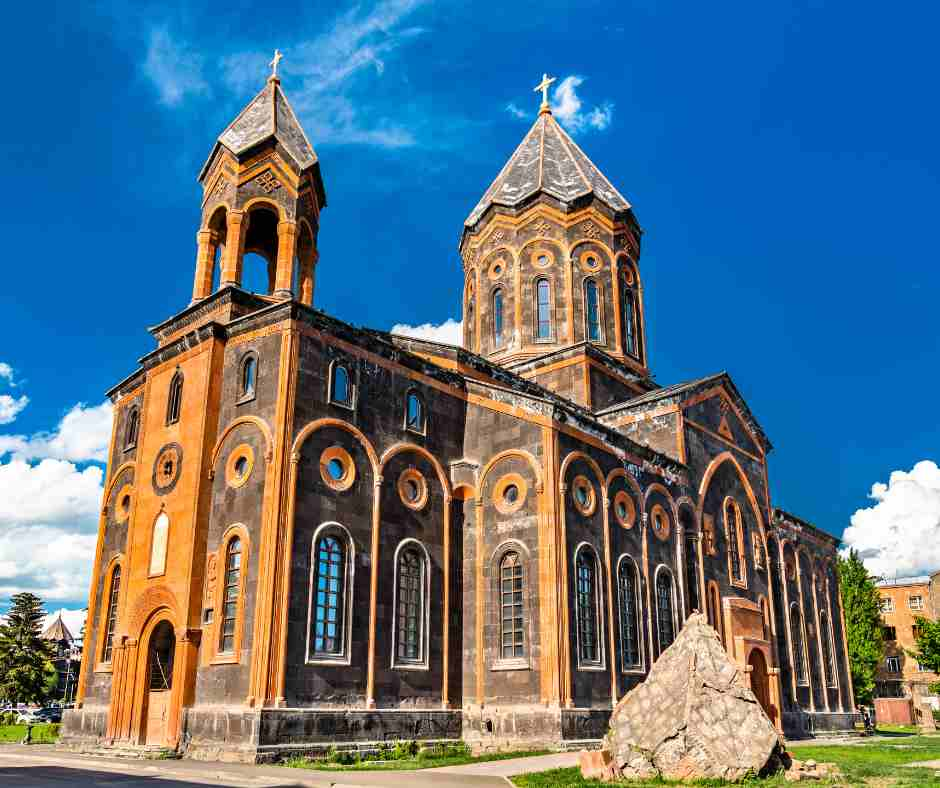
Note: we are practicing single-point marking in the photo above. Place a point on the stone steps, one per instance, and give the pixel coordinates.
(147, 752)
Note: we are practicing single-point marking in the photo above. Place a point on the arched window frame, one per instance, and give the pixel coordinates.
(664, 571)
(500, 555)
(599, 294)
(344, 656)
(800, 655)
(350, 402)
(424, 619)
(132, 430)
(110, 603)
(537, 283)
(471, 324)
(629, 319)
(154, 570)
(765, 615)
(713, 609)
(498, 308)
(421, 426)
(233, 532)
(596, 605)
(825, 643)
(690, 545)
(247, 392)
(627, 565)
(174, 400)
(734, 536)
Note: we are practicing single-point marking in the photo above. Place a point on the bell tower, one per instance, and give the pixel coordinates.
(551, 272)
(262, 193)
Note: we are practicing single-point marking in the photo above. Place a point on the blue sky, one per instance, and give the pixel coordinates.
(781, 158)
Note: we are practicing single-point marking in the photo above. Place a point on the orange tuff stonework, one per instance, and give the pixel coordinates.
(315, 534)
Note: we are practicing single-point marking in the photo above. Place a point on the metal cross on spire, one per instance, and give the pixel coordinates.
(274, 61)
(543, 86)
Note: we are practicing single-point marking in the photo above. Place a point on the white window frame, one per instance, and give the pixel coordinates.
(675, 606)
(893, 660)
(425, 619)
(600, 663)
(633, 567)
(345, 657)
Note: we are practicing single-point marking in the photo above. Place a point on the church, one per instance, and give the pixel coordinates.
(314, 533)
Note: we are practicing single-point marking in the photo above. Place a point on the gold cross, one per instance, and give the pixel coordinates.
(275, 60)
(543, 86)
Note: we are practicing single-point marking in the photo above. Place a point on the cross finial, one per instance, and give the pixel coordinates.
(543, 86)
(274, 61)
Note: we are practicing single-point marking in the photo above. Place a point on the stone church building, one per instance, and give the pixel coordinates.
(316, 533)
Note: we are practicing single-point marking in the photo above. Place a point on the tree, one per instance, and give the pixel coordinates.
(927, 642)
(25, 658)
(861, 603)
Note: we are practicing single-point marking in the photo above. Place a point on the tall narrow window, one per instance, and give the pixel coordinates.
(691, 567)
(249, 376)
(592, 313)
(498, 317)
(799, 649)
(470, 326)
(175, 399)
(133, 427)
(231, 594)
(414, 412)
(411, 602)
(543, 308)
(588, 635)
(329, 597)
(340, 390)
(664, 610)
(713, 600)
(158, 544)
(628, 302)
(733, 532)
(826, 643)
(629, 615)
(112, 614)
(512, 622)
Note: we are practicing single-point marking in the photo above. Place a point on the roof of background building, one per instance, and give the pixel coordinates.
(916, 580)
(58, 631)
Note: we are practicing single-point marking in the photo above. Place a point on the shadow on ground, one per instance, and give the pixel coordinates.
(59, 776)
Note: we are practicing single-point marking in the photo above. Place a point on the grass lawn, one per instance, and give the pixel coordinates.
(42, 734)
(422, 761)
(876, 764)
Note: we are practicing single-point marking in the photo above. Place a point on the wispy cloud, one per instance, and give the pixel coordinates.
(174, 68)
(513, 110)
(568, 108)
(10, 407)
(6, 372)
(450, 332)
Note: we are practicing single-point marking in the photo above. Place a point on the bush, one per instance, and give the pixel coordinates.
(936, 716)
(9, 718)
(404, 751)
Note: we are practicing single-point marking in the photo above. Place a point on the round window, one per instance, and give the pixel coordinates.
(122, 503)
(413, 489)
(591, 261)
(509, 493)
(337, 468)
(583, 493)
(660, 522)
(624, 509)
(239, 465)
(497, 269)
(126, 504)
(542, 260)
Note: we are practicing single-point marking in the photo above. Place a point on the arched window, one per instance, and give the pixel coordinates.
(543, 309)
(799, 648)
(629, 614)
(133, 427)
(498, 316)
(588, 604)
(733, 533)
(340, 388)
(249, 376)
(512, 620)
(713, 600)
(158, 544)
(765, 621)
(328, 598)
(414, 412)
(592, 311)
(231, 595)
(826, 643)
(175, 398)
(470, 325)
(665, 607)
(411, 605)
(628, 309)
(112, 611)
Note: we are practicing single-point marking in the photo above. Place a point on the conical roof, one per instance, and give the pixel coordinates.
(549, 161)
(58, 631)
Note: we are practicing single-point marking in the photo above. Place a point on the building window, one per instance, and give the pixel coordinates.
(329, 597)
(133, 427)
(414, 413)
(887, 604)
(713, 601)
(915, 603)
(629, 591)
(691, 568)
(592, 311)
(411, 603)
(470, 326)
(628, 302)
(893, 664)
(826, 644)
(543, 308)
(340, 386)
(498, 317)
(665, 609)
(231, 595)
(175, 399)
(733, 532)
(249, 375)
(799, 647)
(112, 614)
(890, 633)
(511, 593)
(587, 608)
(158, 544)
(757, 545)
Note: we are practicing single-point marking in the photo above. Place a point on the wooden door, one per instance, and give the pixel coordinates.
(158, 704)
(760, 683)
(159, 683)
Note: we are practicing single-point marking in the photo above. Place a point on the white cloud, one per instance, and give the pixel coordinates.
(51, 492)
(450, 332)
(53, 563)
(10, 407)
(82, 436)
(6, 372)
(513, 110)
(900, 535)
(567, 108)
(175, 69)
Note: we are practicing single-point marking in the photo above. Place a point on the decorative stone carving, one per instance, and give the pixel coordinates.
(268, 182)
(590, 230)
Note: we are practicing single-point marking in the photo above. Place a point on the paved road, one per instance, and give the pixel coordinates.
(41, 766)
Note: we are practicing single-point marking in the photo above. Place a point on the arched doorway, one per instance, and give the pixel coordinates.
(160, 656)
(760, 682)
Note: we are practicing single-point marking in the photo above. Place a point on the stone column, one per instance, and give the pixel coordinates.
(206, 241)
(786, 619)
(308, 272)
(234, 248)
(809, 664)
(819, 645)
(284, 273)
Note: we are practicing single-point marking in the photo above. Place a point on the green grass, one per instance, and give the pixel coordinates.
(42, 734)
(876, 764)
(424, 760)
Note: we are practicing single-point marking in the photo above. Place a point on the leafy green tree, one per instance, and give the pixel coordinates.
(927, 645)
(862, 605)
(25, 658)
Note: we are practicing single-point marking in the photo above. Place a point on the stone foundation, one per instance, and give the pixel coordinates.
(533, 727)
(806, 724)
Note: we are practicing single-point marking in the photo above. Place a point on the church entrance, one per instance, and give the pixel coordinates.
(760, 682)
(159, 682)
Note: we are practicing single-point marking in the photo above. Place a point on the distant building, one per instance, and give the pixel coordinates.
(903, 600)
(67, 660)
